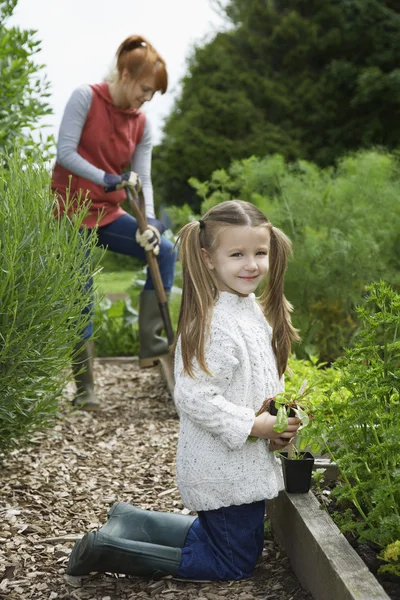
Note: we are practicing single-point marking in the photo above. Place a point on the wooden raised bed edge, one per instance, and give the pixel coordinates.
(321, 557)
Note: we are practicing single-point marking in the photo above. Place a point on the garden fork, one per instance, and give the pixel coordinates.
(139, 212)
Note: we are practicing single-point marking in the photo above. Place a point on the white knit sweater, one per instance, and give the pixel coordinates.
(216, 465)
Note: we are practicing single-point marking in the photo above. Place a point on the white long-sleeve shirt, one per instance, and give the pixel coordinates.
(216, 465)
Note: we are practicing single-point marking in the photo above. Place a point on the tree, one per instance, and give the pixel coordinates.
(304, 78)
(23, 92)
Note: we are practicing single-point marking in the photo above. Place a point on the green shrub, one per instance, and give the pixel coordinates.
(344, 224)
(320, 381)
(363, 432)
(43, 267)
(116, 331)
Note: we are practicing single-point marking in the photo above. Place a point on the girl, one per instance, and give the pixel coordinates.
(231, 354)
(104, 145)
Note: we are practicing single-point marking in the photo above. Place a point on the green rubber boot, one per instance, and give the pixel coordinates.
(82, 367)
(154, 347)
(104, 553)
(132, 523)
(152, 343)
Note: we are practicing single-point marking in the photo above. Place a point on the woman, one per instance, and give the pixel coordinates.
(105, 146)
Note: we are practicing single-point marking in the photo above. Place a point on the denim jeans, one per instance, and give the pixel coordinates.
(119, 236)
(224, 544)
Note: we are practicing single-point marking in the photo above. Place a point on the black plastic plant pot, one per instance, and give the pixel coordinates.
(274, 411)
(297, 472)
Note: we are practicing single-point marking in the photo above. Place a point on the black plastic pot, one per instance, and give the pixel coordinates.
(297, 472)
(274, 411)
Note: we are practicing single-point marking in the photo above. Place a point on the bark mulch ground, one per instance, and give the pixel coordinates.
(63, 483)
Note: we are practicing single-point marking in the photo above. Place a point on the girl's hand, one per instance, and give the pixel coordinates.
(278, 444)
(263, 428)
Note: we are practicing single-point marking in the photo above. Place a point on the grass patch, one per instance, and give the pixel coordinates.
(117, 282)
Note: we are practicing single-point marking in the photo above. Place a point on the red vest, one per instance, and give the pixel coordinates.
(108, 141)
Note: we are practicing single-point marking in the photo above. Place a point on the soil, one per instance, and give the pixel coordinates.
(367, 551)
(64, 481)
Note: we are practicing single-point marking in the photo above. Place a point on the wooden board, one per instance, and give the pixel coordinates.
(321, 557)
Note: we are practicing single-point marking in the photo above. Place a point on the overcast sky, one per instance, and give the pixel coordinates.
(79, 39)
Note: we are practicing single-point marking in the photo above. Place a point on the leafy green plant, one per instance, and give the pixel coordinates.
(363, 436)
(287, 404)
(43, 264)
(391, 556)
(116, 332)
(322, 379)
(24, 93)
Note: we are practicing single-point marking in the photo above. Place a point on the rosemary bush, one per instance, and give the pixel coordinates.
(363, 436)
(43, 267)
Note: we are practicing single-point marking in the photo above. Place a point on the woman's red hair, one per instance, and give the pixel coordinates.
(139, 57)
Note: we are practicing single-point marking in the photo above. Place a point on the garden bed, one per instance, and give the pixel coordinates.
(320, 555)
(322, 558)
(367, 551)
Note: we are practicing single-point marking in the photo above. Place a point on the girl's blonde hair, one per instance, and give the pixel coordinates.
(200, 291)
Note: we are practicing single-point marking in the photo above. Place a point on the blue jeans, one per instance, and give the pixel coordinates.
(119, 236)
(224, 544)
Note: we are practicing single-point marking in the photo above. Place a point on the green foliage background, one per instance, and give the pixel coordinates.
(362, 427)
(345, 227)
(24, 91)
(302, 78)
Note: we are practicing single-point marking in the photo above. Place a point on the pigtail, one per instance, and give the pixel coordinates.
(198, 296)
(276, 307)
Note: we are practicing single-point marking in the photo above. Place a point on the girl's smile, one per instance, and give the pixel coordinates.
(240, 259)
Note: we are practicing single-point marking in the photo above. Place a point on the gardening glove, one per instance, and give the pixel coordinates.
(149, 239)
(118, 182)
(156, 223)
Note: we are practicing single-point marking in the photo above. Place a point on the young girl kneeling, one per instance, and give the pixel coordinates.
(229, 359)
(231, 354)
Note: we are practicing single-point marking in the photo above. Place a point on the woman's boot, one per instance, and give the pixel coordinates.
(82, 367)
(133, 523)
(153, 346)
(103, 553)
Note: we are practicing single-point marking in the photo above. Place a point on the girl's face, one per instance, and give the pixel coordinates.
(135, 92)
(240, 260)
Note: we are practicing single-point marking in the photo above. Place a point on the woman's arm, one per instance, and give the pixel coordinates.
(72, 123)
(141, 164)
